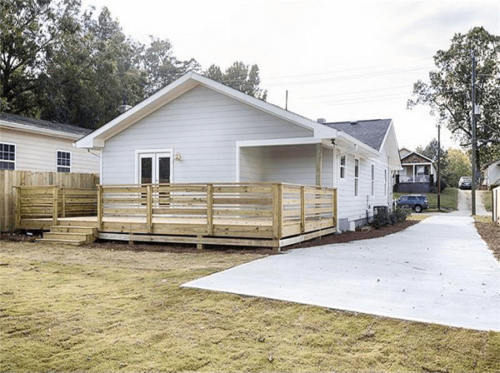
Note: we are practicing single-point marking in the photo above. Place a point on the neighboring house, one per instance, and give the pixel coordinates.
(198, 130)
(39, 145)
(418, 174)
(492, 174)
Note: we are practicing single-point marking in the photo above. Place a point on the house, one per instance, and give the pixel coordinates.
(492, 174)
(418, 174)
(39, 145)
(196, 130)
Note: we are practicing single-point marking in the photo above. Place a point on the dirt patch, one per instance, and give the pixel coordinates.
(362, 234)
(491, 234)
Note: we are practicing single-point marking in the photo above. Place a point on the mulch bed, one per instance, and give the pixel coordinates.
(491, 235)
(363, 234)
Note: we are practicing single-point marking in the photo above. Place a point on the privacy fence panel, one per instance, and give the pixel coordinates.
(11, 179)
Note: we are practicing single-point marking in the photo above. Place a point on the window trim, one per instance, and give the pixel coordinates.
(15, 155)
(70, 160)
(356, 177)
(342, 167)
(155, 152)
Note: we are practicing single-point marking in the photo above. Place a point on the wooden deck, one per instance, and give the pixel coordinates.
(257, 214)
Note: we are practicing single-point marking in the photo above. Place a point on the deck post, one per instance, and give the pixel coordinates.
(210, 209)
(99, 207)
(302, 209)
(149, 208)
(63, 214)
(277, 211)
(55, 204)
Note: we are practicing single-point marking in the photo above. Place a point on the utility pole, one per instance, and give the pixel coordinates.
(439, 167)
(473, 125)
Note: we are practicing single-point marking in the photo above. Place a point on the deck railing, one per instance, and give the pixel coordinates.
(264, 210)
(244, 210)
(38, 202)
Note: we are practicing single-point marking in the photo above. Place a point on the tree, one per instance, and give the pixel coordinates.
(161, 67)
(244, 78)
(29, 28)
(431, 152)
(449, 91)
(459, 165)
(90, 73)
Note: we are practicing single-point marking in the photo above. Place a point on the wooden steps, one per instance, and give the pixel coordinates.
(70, 234)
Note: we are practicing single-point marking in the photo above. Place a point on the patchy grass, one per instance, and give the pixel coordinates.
(418, 217)
(490, 233)
(449, 199)
(487, 197)
(84, 308)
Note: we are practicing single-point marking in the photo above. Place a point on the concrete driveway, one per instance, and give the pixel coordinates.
(438, 271)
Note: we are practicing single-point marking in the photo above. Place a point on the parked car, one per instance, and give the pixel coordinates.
(465, 182)
(417, 203)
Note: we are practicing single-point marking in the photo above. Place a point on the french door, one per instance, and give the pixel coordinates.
(155, 168)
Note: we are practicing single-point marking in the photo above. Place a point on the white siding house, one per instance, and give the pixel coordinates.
(492, 173)
(197, 130)
(36, 145)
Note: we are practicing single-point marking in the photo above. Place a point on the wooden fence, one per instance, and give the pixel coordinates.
(11, 179)
(496, 205)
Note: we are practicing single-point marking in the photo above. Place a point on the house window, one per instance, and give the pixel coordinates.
(373, 180)
(385, 182)
(342, 167)
(356, 177)
(63, 161)
(7, 156)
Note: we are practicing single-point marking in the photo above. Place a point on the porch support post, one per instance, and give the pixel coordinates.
(414, 175)
(302, 209)
(99, 207)
(319, 163)
(277, 193)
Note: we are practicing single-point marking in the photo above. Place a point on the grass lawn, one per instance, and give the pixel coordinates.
(487, 197)
(80, 308)
(449, 199)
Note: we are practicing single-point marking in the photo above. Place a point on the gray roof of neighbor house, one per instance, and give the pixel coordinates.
(44, 124)
(371, 132)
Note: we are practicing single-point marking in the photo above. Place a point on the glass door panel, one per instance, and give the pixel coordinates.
(146, 171)
(163, 168)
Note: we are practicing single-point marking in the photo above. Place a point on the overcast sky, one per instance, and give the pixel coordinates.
(339, 60)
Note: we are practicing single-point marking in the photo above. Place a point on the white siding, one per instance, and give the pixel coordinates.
(38, 152)
(251, 164)
(296, 164)
(203, 127)
(354, 208)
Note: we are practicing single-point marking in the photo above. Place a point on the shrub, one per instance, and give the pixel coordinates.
(396, 216)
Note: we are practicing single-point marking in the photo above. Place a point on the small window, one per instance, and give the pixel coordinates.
(356, 177)
(342, 167)
(63, 161)
(7, 156)
(373, 180)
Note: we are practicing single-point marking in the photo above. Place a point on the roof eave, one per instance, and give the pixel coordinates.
(39, 130)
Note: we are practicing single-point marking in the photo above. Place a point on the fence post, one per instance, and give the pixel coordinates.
(210, 209)
(55, 204)
(17, 222)
(99, 207)
(149, 206)
(277, 192)
(302, 209)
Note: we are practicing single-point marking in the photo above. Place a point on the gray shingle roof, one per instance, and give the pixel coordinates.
(18, 119)
(371, 132)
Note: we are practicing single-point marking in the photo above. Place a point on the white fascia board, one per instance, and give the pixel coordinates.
(320, 130)
(42, 131)
(136, 113)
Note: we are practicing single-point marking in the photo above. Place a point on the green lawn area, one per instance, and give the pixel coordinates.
(449, 199)
(487, 199)
(108, 308)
